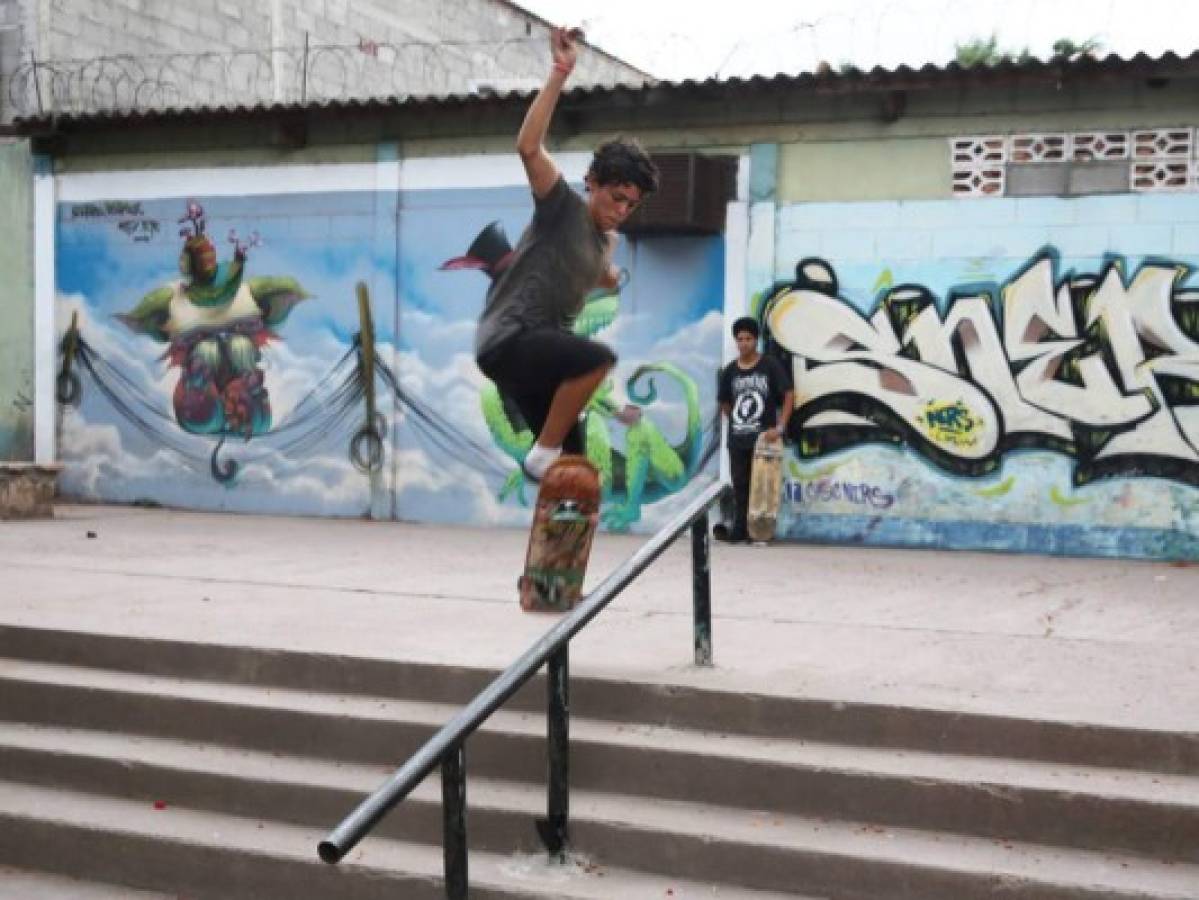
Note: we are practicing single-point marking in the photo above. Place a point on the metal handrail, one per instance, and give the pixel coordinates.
(446, 746)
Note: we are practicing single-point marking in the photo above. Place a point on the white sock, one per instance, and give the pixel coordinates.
(540, 458)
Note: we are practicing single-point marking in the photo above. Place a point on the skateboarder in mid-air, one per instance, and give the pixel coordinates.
(755, 396)
(524, 341)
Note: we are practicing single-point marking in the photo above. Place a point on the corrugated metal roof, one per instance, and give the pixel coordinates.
(901, 78)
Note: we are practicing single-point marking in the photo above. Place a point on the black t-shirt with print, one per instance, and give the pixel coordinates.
(754, 396)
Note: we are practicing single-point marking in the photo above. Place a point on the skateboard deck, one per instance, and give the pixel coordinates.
(564, 524)
(765, 489)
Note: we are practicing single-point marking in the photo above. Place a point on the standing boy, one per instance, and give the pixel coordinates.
(524, 341)
(755, 396)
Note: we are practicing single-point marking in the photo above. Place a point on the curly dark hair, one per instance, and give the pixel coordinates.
(624, 161)
(747, 323)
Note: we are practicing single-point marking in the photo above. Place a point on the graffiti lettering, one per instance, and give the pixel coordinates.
(950, 423)
(1103, 367)
(827, 490)
(141, 230)
(107, 208)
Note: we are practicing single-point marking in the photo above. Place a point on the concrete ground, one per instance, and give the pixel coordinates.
(1097, 641)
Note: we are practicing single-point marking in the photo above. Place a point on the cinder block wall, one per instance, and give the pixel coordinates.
(251, 51)
(14, 38)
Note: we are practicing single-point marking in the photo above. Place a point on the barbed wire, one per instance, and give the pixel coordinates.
(766, 38)
(871, 32)
(314, 72)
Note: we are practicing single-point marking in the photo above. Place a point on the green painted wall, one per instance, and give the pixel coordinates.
(16, 302)
(888, 169)
(860, 158)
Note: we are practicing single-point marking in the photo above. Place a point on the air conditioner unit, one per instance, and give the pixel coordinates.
(692, 195)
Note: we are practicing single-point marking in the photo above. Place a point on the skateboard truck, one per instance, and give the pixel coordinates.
(567, 511)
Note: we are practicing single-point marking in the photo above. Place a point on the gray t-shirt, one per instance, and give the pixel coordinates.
(558, 260)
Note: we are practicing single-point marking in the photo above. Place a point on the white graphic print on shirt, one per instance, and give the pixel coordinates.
(750, 393)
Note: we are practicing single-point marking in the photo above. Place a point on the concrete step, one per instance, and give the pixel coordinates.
(761, 715)
(201, 855)
(163, 846)
(23, 884)
(760, 850)
(1083, 807)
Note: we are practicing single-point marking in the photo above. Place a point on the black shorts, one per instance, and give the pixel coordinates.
(529, 367)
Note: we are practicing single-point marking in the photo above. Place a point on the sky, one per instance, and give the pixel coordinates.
(676, 40)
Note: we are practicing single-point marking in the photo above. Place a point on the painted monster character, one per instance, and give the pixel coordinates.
(215, 322)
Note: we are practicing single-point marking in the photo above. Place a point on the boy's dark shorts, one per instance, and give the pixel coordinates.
(529, 367)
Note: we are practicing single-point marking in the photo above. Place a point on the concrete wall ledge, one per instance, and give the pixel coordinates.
(27, 490)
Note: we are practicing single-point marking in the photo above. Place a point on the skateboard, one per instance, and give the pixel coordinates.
(765, 489)
(564, 524)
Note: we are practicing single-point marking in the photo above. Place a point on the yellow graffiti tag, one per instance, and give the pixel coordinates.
(813, 474)
(1062, 500)
(998, 490)
(950, 422)
(885, 280)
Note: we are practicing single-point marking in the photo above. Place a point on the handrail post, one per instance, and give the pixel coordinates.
(701, 590)
(554, 828)
(453, 810)
(445, 747)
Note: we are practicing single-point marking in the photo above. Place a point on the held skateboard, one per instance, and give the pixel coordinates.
(765, 489)
(564, 524)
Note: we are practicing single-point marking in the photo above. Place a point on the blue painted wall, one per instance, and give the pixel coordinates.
(1008, 374)
(667, 317)
(126, 440)
(247, 391)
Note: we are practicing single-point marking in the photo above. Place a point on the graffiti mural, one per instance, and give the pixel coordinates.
(1100, 366)
(222, 363)
(307, 353)
(648, 467)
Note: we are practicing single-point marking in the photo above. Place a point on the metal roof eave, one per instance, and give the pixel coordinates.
(650, 94)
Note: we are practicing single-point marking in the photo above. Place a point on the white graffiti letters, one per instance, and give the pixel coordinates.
(1088, 355)
(861, 358)
(1032, 309)
(1134, 318)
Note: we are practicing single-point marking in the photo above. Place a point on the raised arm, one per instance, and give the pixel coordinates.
(539, 166)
